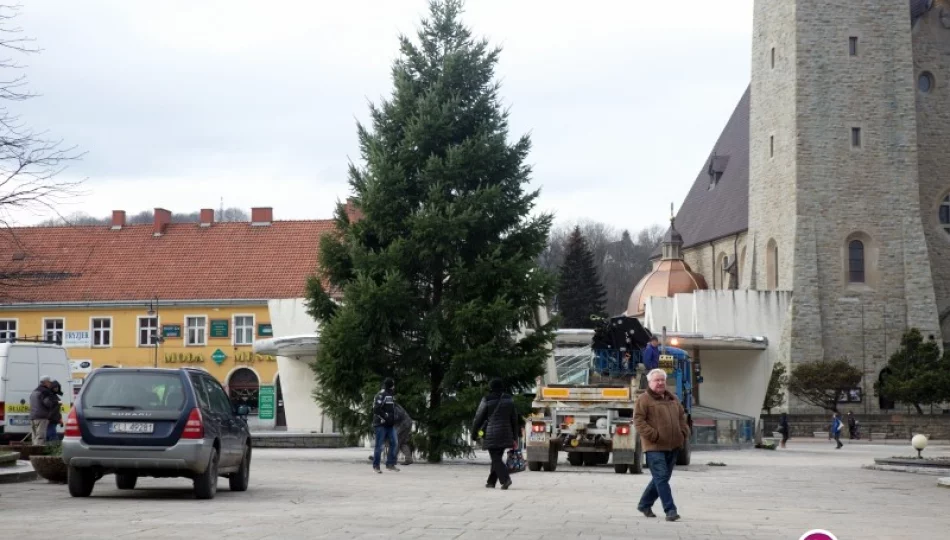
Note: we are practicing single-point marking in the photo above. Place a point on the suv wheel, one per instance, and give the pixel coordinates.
(81, 481)
(125, 481)
(206, 483)
(238, 481)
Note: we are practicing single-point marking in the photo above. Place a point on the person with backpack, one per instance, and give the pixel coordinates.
(498, 419)
(384, 423)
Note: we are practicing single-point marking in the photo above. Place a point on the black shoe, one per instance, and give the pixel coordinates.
(377, 471)
(674, 517)
(506, 485)
(648, 512)
(490, 485)
(392, 468)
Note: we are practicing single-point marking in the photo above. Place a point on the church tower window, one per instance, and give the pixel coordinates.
(945, 214)
(771, 265)
(856, 261)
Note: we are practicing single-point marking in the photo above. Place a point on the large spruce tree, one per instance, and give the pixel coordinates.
(438, 276)
(581, 293)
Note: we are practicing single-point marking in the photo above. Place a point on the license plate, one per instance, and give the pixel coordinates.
(131, 427)
(19, 420)
(537, 437)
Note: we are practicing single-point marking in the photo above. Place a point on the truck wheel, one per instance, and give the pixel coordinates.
(576, 459)
(534, 466)
(637, 467)
(125, 481)
(603, 458)
(81, 481)
(684, 456)
(620, 468)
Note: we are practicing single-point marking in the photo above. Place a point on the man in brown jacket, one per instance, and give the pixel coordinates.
(661, 424)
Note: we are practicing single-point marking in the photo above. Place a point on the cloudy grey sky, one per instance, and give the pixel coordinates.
(181, 102)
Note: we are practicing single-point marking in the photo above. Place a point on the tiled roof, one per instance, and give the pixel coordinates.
(226, 261)
(707, 214)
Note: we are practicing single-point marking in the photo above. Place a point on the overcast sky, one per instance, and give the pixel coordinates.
(179, 103)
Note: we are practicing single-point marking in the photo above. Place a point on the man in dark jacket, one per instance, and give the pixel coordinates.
(42, 402)
(56, 414)
(384, 423)
(661, 423)
(403, 435)
(497, 417)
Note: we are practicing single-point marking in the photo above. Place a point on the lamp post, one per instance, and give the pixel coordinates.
(156, 335)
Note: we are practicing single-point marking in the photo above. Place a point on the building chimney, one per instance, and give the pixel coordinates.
(207, 217)
(262, 217)
(118, 219)
(161, 220)
(353, 213)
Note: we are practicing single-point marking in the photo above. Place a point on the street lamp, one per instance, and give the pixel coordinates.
(156, 334)
(919, 442)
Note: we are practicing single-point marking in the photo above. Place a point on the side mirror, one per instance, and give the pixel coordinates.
(243, 410)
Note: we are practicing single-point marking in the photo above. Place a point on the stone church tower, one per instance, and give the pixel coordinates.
(832, 180)
(847, 130)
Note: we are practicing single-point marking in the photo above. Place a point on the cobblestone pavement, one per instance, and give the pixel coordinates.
(333, 494)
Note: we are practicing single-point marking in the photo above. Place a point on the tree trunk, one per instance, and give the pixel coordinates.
(435, 424)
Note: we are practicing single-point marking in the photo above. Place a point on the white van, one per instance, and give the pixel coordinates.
(22, 363)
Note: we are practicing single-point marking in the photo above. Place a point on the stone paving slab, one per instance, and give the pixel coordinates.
(332, 493)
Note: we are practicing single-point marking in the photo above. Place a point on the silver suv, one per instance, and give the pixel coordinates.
(162, 423)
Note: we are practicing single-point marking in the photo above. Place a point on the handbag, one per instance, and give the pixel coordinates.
(515, 461)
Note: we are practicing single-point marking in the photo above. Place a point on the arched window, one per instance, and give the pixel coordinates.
(244, 388)
(771, 265)
(856, 261)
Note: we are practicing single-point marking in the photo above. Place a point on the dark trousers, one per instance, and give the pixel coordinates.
(838, 439)
(499, 469)
(661, 467)
(384, 434)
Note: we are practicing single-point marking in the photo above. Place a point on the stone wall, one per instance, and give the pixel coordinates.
(896, 426)
(812, 191)
(931, 41)
(706, 259)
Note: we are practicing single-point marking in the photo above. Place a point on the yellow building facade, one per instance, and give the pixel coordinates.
(215, 338)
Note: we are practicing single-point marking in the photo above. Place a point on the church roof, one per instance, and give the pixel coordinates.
(715, 208)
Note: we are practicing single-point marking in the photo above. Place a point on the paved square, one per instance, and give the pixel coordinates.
(333, 494)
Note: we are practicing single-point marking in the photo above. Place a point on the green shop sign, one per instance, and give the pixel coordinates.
(265, 330)
(219, 328)
(218, 356)
(265, 403)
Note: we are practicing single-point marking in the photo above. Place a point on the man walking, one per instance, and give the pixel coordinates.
(836, 426)
(384, 422)
(661, 422)
(42, 401)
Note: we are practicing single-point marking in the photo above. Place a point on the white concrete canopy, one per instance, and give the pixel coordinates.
(295, 344)
(735, 336)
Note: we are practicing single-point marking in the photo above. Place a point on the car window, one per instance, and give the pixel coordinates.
(219, 400)
(135, 390)
(200, 391)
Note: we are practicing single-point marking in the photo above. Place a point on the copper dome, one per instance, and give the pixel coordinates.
(672, 276)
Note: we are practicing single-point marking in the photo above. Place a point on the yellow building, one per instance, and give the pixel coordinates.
(162, 294)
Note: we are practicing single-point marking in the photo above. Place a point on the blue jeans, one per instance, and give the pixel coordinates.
(51, 434)
(661, 467)
(382, 434)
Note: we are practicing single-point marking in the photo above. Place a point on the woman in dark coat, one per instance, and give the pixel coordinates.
(783, 428)
(498, 418)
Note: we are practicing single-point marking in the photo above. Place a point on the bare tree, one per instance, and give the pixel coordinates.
(30, 161)
(30, 166)
(79, 219)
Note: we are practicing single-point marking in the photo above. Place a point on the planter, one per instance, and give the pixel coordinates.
(25, 450)
(51, 468)
(8, 459)
(939, 463)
